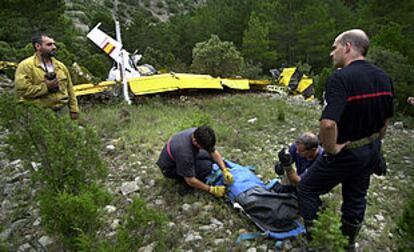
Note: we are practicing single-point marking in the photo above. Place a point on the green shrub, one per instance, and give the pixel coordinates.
(69, 156)
(7, 53)
(250, 70)
(68, 215)
(406, 226)
(220, 59)
(399, 69)
(70, 197)
(305, 68)
(392, 36)
(79, 7)
(160, 4)
(142, 226)
(64, 55)
(109, 4)
(80, 74)
(326, 232)
(195, 120)
(24, 52)
(173, 8)
(97, 64)
(320, 82)
(162, 60)
(147, 3)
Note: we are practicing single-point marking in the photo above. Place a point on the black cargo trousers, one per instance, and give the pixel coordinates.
(352, 169)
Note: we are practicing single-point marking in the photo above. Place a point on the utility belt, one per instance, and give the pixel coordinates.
(363, 141)
(352, 145)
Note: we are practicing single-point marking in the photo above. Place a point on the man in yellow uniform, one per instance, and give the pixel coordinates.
(43, 80)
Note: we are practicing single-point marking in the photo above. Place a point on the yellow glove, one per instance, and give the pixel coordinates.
(228, 178)
(218, 191)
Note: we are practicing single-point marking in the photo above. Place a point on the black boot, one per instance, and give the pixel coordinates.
(308, 227)
(351, 231)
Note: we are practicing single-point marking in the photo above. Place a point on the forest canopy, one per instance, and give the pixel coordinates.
(267, 34)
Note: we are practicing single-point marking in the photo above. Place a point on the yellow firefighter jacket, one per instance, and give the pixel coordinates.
(31, 87)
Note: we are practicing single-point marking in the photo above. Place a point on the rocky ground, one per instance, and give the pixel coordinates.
(6, 85)
(198, 221)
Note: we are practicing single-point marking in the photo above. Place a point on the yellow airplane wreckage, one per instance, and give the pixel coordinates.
(144, 79)
(171, 82)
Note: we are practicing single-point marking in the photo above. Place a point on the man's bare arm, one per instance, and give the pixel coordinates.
(328, 134)
(383, 130)
(194, 182)
(219, 160)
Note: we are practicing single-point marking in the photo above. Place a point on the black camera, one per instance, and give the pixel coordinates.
(50, 75)
(279, 169)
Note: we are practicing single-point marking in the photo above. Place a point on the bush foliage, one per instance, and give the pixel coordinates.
(68, 167)
(270, 34)
(326, 232)
(400, 71)
(197, 119)
(142, 226)
(406, 226)
(216, 58)
(70, 216)
(68, 156)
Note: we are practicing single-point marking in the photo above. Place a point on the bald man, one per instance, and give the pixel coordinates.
(358, 104)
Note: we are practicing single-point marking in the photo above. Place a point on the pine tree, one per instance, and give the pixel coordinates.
(255, 46)
(315, 34)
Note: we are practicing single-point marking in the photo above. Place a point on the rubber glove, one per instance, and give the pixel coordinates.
(218, 191)
(228, 178)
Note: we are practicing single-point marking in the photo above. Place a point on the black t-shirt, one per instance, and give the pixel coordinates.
(183, 152)
(359, 98)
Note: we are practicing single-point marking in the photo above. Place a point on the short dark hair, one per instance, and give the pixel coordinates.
(205, 136)
(37, 39)
(358, 39)
(308, 140)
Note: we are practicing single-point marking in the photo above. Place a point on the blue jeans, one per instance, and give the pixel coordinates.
(351, 168)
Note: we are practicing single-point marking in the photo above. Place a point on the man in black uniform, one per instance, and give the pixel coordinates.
(188, 156)
(358, 104)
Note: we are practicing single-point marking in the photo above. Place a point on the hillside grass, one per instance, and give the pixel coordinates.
(139, 132)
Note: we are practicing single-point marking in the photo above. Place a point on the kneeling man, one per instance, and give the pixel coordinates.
(188, 156)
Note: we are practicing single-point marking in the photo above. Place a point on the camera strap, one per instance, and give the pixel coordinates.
(50, 65)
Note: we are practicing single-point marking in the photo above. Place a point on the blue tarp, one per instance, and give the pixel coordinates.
(244, 180)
